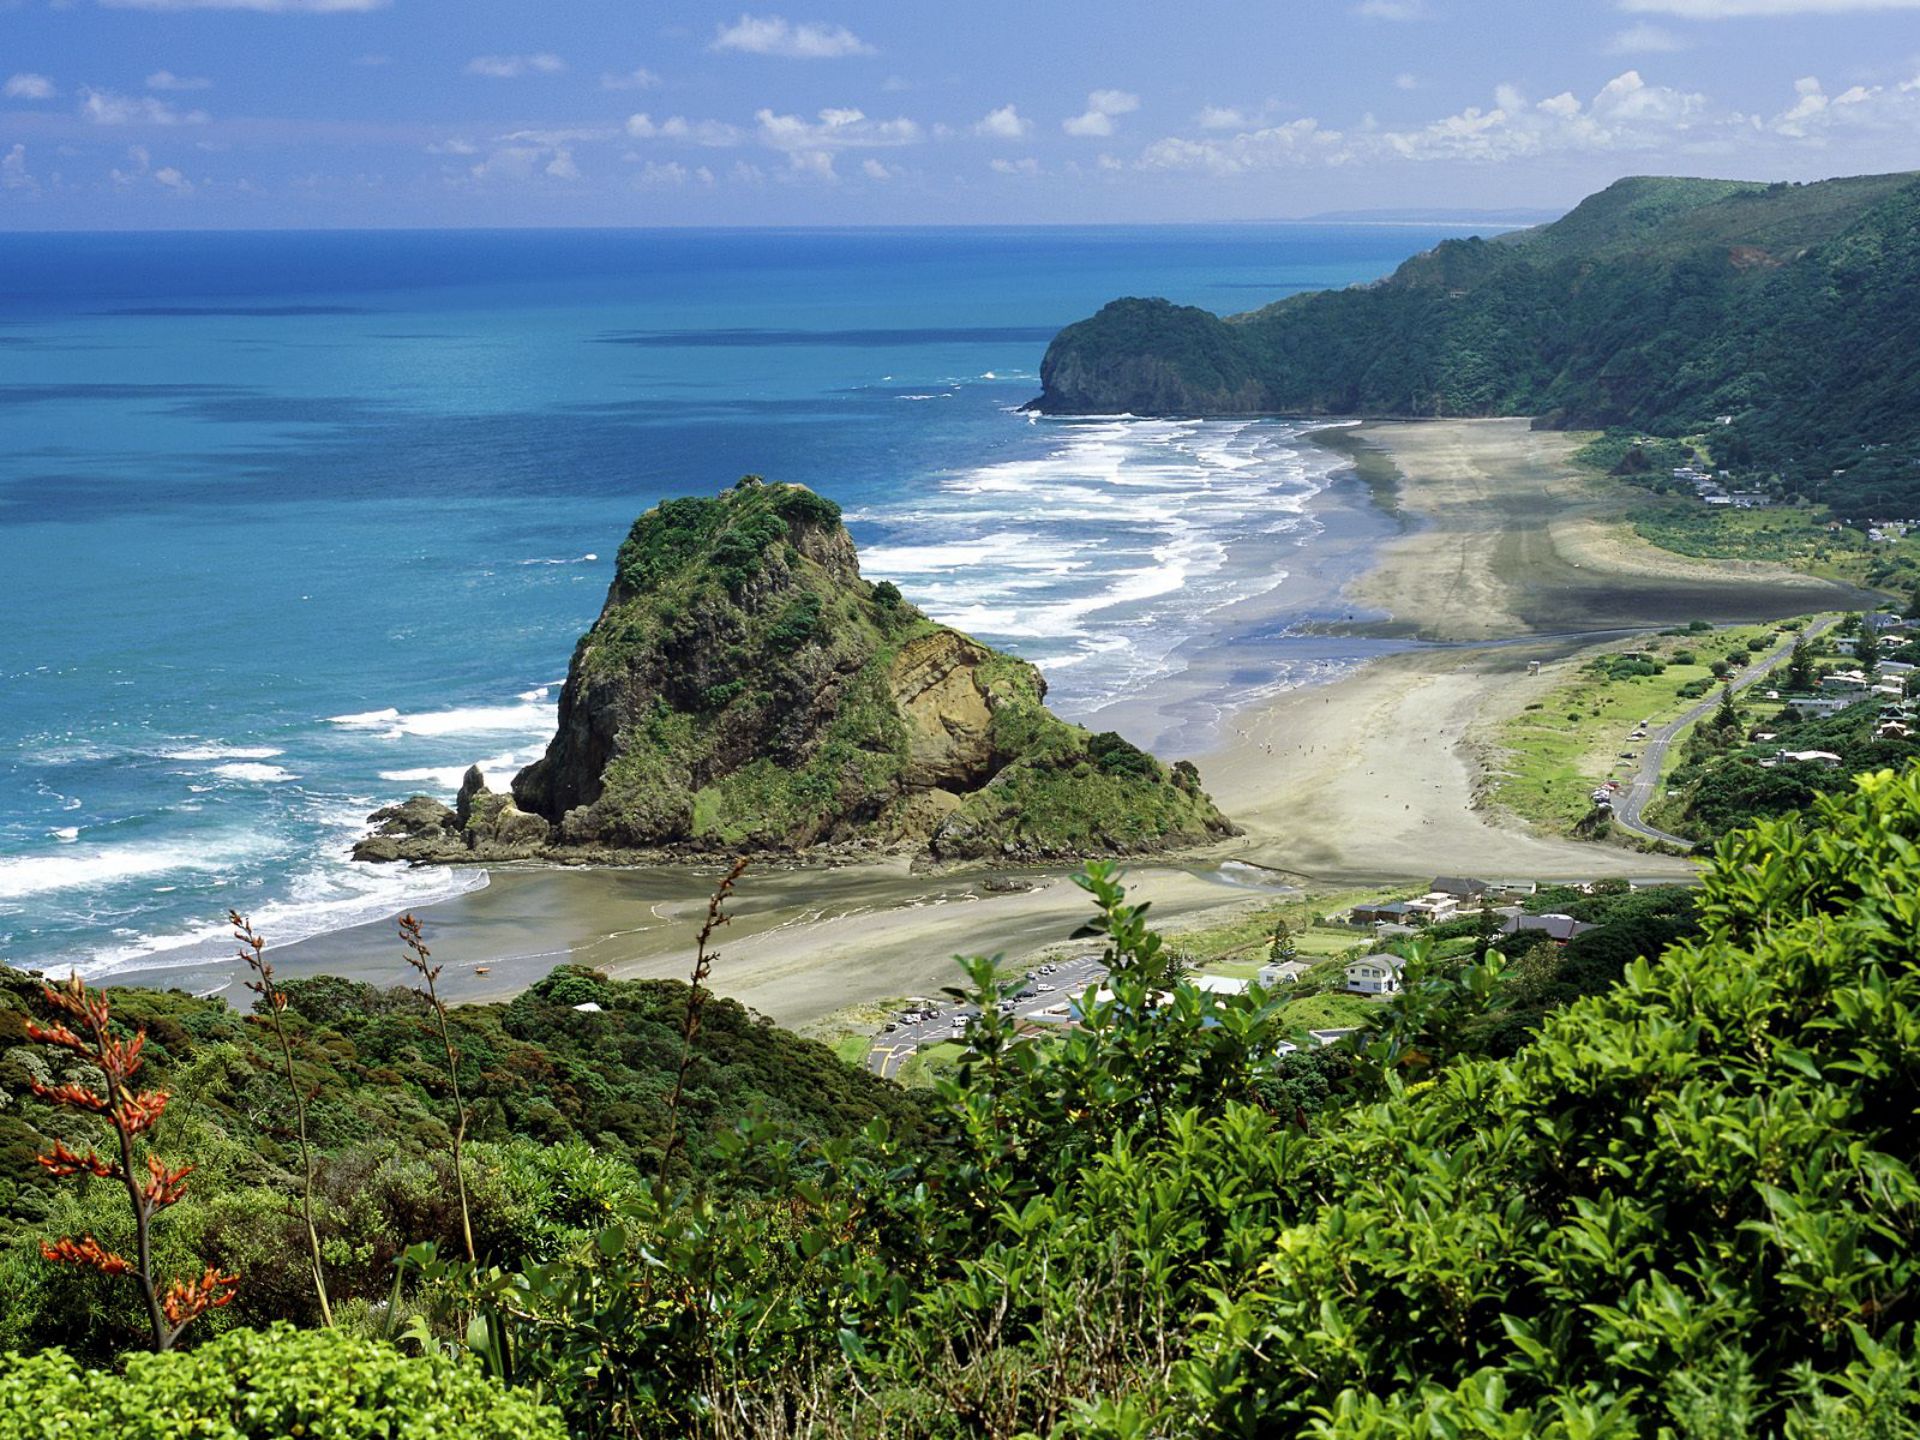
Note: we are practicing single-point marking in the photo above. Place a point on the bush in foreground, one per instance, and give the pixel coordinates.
(267, 1385)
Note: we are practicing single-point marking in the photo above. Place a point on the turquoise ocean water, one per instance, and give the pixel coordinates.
(293, 525)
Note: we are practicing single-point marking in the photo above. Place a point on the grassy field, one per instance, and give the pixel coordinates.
(1796, 538)
(1238, 947)
(1554, 752)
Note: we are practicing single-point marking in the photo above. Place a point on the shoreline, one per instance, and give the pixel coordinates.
(1486, 535)
(1508, 557)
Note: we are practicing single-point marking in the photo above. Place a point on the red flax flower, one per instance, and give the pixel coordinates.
(188, 1300)
(85, 1028)
(89, 1251)
(63, 1164)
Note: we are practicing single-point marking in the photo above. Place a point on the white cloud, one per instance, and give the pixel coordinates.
(672, 174)
(1264, 149)
(512, 67)
(452, 147)
(1645, 39)
(14, 174)
(774, 35)
(1745, 9)
(561, 166)
(1391, 9)
(1406, 80)
(814, 164)
(1216, 117)
(714, 134)
(640, 79)
(167, 80)
(874, 170)
(267, 7)
(28, 86)
(834, 129)
(1102, 107)
(1003, 124)
(171, 179)
(509, 162)
(1027, 168)
(104, 107)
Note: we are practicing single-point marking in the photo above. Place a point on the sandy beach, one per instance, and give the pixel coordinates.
(1511, 557)
(1461, 551)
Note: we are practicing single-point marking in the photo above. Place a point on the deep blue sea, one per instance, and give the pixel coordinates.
(293, 525)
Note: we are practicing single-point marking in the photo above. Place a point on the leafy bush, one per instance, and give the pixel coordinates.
(268, 1385)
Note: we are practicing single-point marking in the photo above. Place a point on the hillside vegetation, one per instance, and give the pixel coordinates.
(1685, 1208)
(1657, 304)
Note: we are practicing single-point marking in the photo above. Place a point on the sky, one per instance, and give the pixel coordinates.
(139, 114)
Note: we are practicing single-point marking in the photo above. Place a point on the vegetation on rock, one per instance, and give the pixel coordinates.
(744, 689)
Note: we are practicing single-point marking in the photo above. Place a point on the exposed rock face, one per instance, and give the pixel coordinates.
(745, 689)
(481, 826)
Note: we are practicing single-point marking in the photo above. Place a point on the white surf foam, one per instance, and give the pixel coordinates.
(90, 867)
(254, 772)
(222, 752)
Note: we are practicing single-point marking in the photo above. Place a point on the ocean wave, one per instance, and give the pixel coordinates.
(254, 773)
(222, 752)
(586, 559)
(527, 716)
(319, 901)
(90, 867)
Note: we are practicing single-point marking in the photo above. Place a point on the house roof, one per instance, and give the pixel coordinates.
(1390, 962)
(1457, 885)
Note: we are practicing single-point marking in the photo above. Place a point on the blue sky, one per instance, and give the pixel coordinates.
(259, 113)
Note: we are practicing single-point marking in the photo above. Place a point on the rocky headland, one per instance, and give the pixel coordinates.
(745, 690)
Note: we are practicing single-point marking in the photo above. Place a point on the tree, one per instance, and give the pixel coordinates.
(1913, 603)
(253, 950)
(1726, 717)
(1867, 651)
(1800, 665)
(131, 1113)
(1282, 946)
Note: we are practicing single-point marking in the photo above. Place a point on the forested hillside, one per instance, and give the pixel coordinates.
(1686, 1207)
(1657, 304)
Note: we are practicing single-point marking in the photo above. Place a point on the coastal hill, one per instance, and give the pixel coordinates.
(744, 689)
(1660, 304)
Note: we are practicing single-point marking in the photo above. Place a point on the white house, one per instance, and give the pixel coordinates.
(1283, 972)
(1375, 974)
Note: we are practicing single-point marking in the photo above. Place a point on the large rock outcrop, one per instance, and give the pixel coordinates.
(745, 689)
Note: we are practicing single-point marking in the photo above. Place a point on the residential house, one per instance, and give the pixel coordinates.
(1283, 972)
(1432, 909)
(1825, 759)
(1557, 928)
(1379, 912)
(1458, 886)
(1818, 705)
(1375, 974)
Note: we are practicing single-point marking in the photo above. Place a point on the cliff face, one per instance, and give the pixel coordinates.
(745, 689)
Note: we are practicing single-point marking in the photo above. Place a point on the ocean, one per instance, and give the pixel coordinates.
(295, 525)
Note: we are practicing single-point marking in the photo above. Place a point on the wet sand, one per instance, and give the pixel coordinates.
(1377, 776)
(803, 943)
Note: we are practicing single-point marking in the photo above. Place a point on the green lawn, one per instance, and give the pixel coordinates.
(1330, 1011)
(1554, 752)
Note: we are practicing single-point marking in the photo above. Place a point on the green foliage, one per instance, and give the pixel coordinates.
(1653, 308)
(1723, 784)
(268, 1385)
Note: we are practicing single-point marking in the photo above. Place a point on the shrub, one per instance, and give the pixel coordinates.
(268, 1384)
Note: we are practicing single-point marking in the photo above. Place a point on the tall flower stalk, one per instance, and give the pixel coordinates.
(418, 956)
(703, 959)
(253, 950)
(84, 1027)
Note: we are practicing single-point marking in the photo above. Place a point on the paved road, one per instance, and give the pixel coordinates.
(1644, 788)
(893, 1048)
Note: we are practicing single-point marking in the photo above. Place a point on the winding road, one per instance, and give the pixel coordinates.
(1645, 785)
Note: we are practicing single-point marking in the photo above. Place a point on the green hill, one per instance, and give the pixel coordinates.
(1659, 304)
(746, 689)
